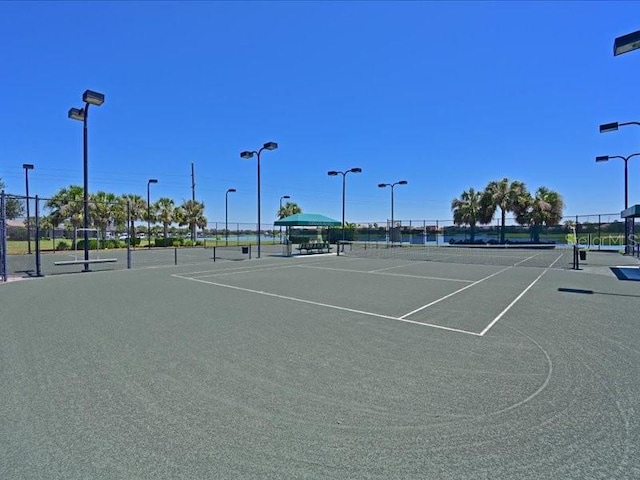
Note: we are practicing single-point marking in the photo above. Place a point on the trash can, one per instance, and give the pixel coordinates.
(583, 254)
(245, 250)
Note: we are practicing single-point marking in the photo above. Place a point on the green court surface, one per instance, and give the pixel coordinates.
(322, 366)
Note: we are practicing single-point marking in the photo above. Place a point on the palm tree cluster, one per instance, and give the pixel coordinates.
(479, 207)
(109, 211)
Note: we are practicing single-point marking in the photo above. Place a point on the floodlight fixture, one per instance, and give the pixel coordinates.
(609, 127)
(93, 98)
(626, 43)
(76, 114)
(270, 146)
(602, 158)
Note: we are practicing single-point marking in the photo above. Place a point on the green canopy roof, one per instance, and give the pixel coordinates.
(307, 220)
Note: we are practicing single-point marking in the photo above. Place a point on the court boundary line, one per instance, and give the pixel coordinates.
(373, 272)
(515, 300)
(454, 292)
(326, 305)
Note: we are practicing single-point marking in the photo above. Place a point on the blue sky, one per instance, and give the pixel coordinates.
(445, 95)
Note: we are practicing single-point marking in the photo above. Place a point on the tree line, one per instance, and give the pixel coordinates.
(107, 210)
(478, 207)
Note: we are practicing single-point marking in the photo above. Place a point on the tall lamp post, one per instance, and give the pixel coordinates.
(613, 127)
(335, 173)
(151, 180)
(285, 197)
(606, 158)
(226, 215)
(27, 167)
(392, 185)
(249, 154)
(89, 97)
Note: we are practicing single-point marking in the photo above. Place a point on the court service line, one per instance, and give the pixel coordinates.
(248, 268)
(453, 293)
(213, 273)
(374, 272)
(502, 313)
(319, 304)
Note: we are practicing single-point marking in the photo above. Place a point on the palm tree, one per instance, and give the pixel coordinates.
(470, 210)
(137, 207)
(545, 208)
(165, 208)
(67, 205)
(102, 206)
(505, 195)
(14, 208)
(288, 209)
(191, 213)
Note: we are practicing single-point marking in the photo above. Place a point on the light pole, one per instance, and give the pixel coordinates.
(613, 127)
(606, 158)
(334, 173)
(151, 180)
(27, 167)
(392, 185)
(626, 43)
(226, 215)
(89, 97)
(279, 213)
(249, 154)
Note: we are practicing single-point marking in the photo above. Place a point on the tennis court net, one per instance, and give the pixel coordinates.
(544, 256)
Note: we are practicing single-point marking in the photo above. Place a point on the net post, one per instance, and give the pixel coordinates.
(175, 255)
(3, 237)
(214, 252)
(128, 235)
(37, 239)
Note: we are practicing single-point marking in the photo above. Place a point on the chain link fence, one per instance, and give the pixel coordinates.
(52, 238)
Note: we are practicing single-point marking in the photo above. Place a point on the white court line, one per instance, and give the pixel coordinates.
(336, 307)
(501, 314)
(373, 272)
(229, 269)
(388, 268)
(213, 273)
(453, 293)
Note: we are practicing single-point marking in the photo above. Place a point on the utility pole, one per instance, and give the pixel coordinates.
(193, 183)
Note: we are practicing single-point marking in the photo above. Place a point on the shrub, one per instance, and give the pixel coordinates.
(93, 244)
(62, 245)
(188, 243)
(111, 243)
(169, 242)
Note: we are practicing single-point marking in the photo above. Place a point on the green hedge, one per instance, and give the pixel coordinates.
(168, 242)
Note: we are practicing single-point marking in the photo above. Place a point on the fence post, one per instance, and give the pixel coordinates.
(129, 239)
(37, 239)
(3, 237)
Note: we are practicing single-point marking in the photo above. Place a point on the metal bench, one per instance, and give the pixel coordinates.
(80, 262)
(317, 247)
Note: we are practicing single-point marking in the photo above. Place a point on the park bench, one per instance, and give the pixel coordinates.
(314, 247)
(80, 262)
